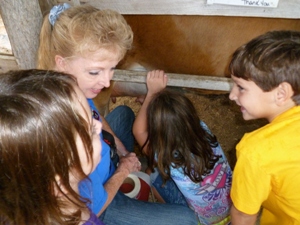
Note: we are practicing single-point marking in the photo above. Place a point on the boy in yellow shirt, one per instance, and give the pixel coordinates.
(266, 77)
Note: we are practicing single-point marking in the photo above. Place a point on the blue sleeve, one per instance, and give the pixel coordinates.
(93, 190)
(93, 187)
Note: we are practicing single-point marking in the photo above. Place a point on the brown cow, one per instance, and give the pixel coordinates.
(200, 45)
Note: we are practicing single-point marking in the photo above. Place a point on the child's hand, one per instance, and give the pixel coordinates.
(156, 81)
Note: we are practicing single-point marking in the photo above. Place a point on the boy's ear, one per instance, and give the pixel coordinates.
(284, 93)
(60, 63)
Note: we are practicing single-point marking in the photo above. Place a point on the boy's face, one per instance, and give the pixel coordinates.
(254, 102)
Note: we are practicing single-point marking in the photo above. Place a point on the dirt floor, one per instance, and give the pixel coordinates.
(221, 115)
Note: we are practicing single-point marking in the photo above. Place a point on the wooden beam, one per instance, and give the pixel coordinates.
(22, 20)
(285, 9)
(178, 80)
(7, 63)
(46, 5)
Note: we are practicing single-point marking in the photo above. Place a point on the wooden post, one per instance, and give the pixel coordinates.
(22, 20)
(46, 5)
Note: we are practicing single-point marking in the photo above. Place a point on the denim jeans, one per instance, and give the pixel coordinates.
(127, 211)
(121, 120)
(169, 191)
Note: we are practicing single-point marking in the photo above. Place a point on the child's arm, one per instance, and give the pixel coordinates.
(240, 218)
(156, 81)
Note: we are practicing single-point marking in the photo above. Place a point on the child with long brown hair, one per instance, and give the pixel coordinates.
(48, 144)
(184, 151)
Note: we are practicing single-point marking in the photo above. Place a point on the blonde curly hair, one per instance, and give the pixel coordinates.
(82, 30)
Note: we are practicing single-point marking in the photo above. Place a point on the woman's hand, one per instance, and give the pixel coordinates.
(129, 162)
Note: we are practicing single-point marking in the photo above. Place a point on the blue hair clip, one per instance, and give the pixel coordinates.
(56, 11)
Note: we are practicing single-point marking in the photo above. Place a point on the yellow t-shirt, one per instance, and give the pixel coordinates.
(267, 171)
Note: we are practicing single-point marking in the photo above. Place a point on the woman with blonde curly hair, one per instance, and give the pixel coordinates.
(89, 43)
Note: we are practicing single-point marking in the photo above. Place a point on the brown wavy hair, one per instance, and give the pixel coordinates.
(176, 138)
(38, 124)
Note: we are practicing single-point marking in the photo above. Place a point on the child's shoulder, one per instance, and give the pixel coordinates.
(205, 127)
(284, 128)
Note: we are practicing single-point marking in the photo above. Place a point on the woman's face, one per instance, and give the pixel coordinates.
(93, 71)
(88, 164)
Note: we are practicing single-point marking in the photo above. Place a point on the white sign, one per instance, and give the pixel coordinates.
(256, 3)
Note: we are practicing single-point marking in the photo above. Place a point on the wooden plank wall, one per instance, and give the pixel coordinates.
(285, 9)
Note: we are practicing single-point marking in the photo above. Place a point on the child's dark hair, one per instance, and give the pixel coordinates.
(176, 138)
(39, 123)
(269, 60)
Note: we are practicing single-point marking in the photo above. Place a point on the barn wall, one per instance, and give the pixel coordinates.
(24, 28)
(285, 9)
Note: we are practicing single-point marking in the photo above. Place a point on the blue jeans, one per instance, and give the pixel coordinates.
(169, 191)
(127, 211)
(121, 120)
